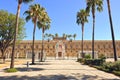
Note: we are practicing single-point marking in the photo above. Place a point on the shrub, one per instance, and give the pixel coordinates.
(81, 60)
(94, 61)
(109, 66)
(87, 56)
(98, 67)
(112, 66)
(116, 66)
(10, 70)
(101, 56)
(116, 73)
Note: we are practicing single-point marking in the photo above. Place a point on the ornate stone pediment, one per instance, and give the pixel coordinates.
(60, 47)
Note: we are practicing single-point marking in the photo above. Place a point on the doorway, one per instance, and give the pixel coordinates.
(59, 54)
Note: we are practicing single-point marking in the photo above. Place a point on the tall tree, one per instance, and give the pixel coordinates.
(82, 19)
(74, 36)
(112, 31)
(7, 24)
(64, 35)
(46, 35)
(33, 13)
(50, 35)
(44, 24)
(56, 35)
(93, 5)
(16, 29)
(69, 36)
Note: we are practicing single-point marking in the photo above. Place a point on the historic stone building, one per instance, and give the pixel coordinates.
(62, 48)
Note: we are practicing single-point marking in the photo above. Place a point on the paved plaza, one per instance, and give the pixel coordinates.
(57, 70)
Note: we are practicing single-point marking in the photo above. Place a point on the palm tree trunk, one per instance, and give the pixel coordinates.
(93, 13)
(93, 39)
(112, 31)
(82, 40)
(42, 44)
(33, 54)
(15, 35)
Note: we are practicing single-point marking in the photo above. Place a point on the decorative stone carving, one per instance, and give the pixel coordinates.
(60, 50)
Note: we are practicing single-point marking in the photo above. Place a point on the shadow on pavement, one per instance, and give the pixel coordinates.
(52, 77)
(39, 77)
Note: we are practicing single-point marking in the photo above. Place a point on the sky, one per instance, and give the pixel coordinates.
(63, 18)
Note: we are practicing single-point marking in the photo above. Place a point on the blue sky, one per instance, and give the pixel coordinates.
(63, 16)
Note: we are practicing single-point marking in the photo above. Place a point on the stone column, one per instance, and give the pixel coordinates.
(17, 55)
(8, 56)
(26, 54)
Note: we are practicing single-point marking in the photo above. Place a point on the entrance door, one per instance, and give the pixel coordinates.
(59, 54)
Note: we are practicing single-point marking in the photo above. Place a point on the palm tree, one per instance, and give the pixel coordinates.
(33, 13)
(82, 19)
(16, 29)
(69, 37)
(93, 5)
(56, 35)
(44, 24)
(64, 35)
(50, 36)
(46, 36)
(112, 31)
(74, 36)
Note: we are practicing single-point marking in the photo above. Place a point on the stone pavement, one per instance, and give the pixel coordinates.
(57, 70)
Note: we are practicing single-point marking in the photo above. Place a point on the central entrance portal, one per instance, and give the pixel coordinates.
(59, 54)
(60, 50)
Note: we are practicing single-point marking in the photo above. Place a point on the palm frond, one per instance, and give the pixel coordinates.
(27, 18)
(27, 1)
(82, 17)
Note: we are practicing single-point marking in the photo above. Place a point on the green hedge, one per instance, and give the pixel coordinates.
(101, 56)
(80, 60)
(107, 66)
(116, 73)
(111, 67)
(87, 56)
(116, 66)
(94, 62)
(91, 61)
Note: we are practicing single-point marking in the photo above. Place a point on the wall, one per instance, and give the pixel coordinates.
(71, 48)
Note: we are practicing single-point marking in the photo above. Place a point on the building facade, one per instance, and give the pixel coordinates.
(62, 48)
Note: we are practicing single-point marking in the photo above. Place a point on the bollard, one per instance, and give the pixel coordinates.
(27, 65)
